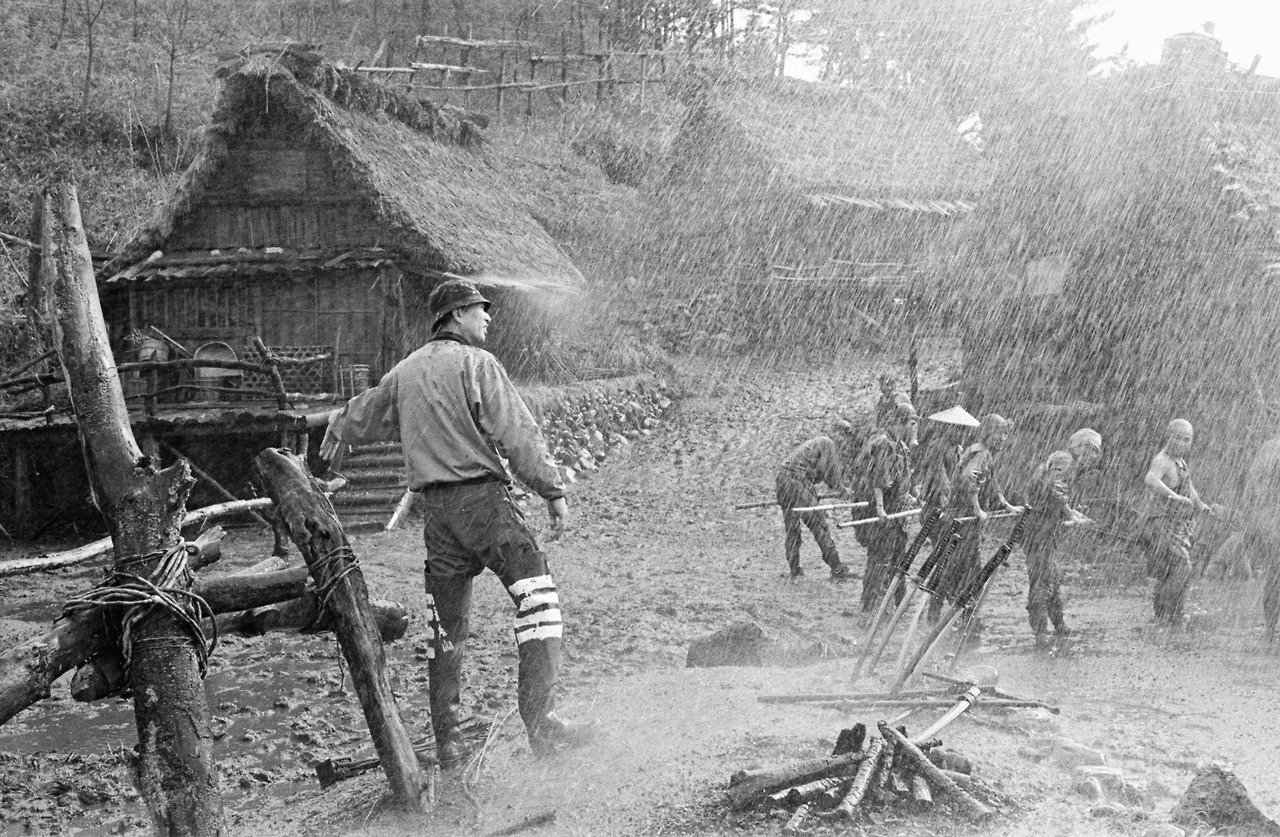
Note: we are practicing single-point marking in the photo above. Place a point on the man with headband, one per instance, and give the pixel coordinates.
(1167, 519)
(1049, 511)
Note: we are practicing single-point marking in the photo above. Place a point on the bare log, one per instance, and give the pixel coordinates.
(144, 508)
(938, 779)
(27, 671)
(797, 822)
(862, 781)
(102, 547)
(103, 676)
(315, 530)
(921, 796)
(746, 788)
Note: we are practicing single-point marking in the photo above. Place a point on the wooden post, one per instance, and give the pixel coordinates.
(143, 507)
(315, 530)
(23, 507)
(273, 364)
(599, 59)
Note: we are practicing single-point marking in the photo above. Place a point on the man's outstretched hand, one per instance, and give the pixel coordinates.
(558, 510)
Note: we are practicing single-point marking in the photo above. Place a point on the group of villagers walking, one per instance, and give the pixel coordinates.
(959, 483)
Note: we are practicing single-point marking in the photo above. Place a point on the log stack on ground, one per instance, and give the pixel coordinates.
(867, 773)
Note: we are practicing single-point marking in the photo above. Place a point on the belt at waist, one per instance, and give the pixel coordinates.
(480, 480)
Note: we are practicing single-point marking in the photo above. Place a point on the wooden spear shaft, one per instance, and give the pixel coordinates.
(896, 516)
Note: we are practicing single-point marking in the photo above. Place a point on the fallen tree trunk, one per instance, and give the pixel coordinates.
(315, 530)
(100, 548)
(144, 508)
(103, 676)
(28, 670)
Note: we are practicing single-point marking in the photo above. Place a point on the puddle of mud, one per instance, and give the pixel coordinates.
(277, 709)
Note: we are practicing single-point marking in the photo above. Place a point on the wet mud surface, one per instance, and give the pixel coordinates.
(656, 559)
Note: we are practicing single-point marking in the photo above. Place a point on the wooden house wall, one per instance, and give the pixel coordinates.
(278, 188)
(342, 308)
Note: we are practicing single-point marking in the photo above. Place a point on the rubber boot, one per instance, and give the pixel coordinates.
(451, 601)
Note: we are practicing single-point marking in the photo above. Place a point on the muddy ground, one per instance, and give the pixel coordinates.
(657, 558)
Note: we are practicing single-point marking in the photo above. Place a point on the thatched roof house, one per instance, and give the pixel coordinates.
(815, 173)
(833, 145)
(318, 213)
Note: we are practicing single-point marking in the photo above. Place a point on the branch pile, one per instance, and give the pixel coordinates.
(866, 778)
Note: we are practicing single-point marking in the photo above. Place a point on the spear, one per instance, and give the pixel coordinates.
(831, 507)
(868, 521)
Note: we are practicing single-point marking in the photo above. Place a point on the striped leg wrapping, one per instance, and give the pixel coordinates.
(537, 609)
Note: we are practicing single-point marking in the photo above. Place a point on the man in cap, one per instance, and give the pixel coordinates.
(1166, 516)
(461, 423)
(1049, 511)
(937, 462)
(974, 489)
(889, 483)
(821, 459)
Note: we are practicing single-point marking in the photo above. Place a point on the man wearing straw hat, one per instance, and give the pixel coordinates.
(889, 484)
(1167, 519)
(974, 489)
(937, 462)
(461, 423)
(822, 459)
(1048, 499)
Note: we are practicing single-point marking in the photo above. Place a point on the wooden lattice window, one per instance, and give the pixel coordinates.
(312, 378)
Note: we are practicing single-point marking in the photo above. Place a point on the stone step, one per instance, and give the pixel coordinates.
(374, 478)
(385, 497)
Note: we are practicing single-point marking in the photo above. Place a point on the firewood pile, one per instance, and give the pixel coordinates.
(871, 776)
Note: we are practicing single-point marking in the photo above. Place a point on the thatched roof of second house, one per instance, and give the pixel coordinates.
(440, 203)
(833, 145)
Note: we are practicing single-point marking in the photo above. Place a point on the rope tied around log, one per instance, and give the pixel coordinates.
(140, 597)
(336, 565)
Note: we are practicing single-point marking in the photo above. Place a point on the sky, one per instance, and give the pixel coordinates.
(1245, 27)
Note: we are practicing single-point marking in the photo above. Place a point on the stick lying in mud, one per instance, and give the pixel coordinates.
(533, 821)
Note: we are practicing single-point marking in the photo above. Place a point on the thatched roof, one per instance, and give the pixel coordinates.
(439, 199)
(834, 145)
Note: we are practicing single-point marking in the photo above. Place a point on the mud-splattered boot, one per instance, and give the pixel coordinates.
(449, 608)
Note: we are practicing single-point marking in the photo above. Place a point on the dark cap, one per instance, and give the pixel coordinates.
(904, 410)
(451, 295)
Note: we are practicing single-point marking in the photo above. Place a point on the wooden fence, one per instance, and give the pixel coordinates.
(499, 75)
